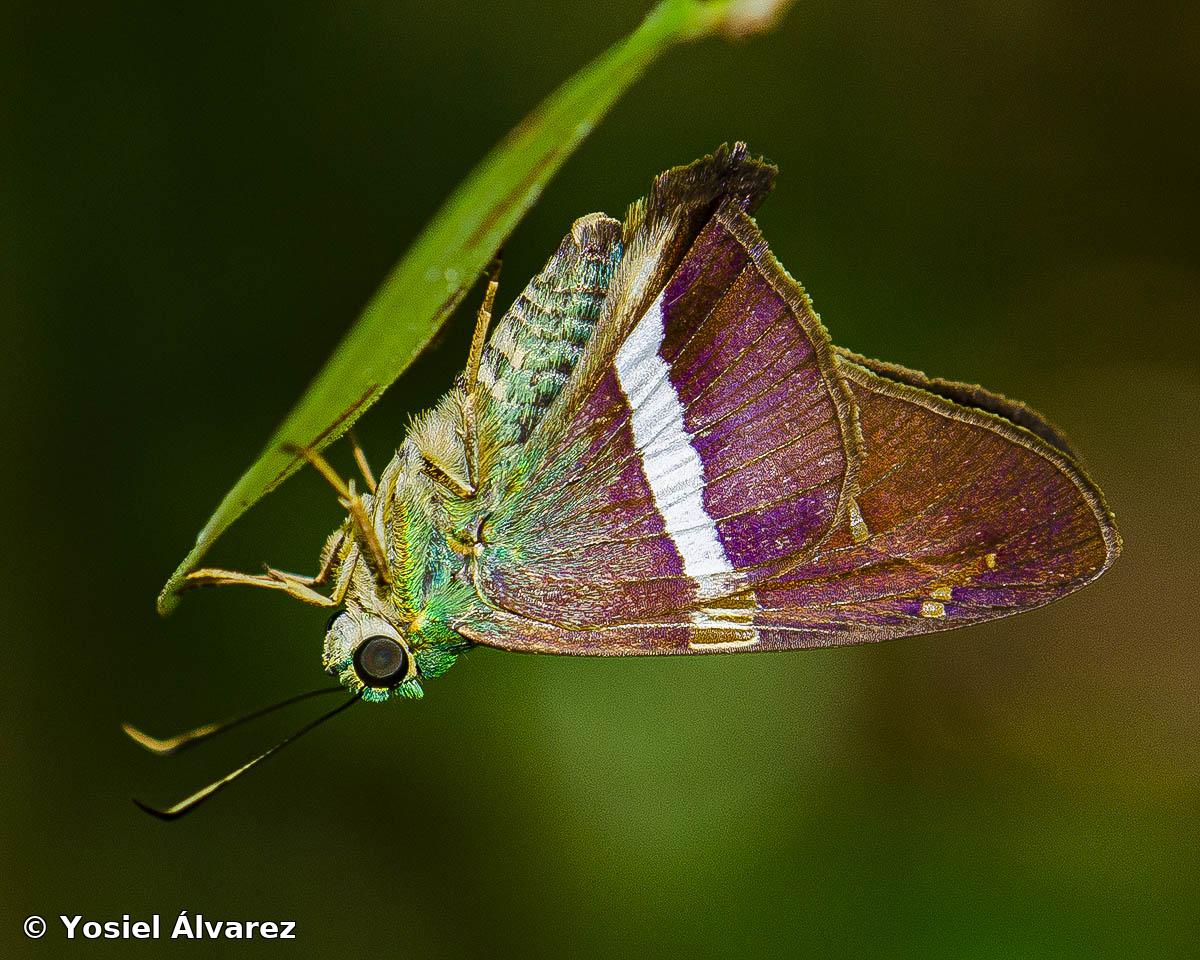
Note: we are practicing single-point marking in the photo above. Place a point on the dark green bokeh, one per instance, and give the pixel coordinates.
(195, 206)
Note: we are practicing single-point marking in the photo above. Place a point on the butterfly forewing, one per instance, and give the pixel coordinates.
(717, 448)
(965, 517)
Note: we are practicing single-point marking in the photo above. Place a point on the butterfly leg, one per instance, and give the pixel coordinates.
(360, 458)
(329, 560)
(299, 584)
(294, 584)
(364, 529)
(290, 584)
(483, 320)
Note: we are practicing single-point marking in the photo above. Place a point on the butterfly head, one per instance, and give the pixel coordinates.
(370, 655)
(380, 655)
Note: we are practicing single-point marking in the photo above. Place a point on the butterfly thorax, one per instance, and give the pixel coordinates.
(457, 465)
(422, 594)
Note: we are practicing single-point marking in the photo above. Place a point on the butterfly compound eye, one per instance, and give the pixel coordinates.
(381, 662)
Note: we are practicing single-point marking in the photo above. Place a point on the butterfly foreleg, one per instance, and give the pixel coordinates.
(364, 529)
(332, 556)
(292, 585)
(470, 413)
(360, 458)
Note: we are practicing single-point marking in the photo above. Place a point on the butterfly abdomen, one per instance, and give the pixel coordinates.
(538, 342)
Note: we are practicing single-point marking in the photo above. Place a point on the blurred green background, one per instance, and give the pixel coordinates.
(195, 203)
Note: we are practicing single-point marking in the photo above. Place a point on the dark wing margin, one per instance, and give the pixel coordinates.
(967, 395)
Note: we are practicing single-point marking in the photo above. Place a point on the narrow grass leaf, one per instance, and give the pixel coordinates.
(423, 289)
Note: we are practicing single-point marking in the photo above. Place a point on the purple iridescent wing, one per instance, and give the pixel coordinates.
(714, 449)
(961, 516)
(715, 477)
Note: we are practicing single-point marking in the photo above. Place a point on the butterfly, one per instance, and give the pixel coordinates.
(658, 450)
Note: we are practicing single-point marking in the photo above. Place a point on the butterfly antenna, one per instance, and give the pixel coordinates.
(190, 803)
(189, 738)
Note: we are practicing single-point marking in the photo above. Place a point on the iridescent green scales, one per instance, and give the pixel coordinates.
(432, 502)
(539, 341)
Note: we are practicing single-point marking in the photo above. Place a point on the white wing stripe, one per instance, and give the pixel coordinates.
(672, 465)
